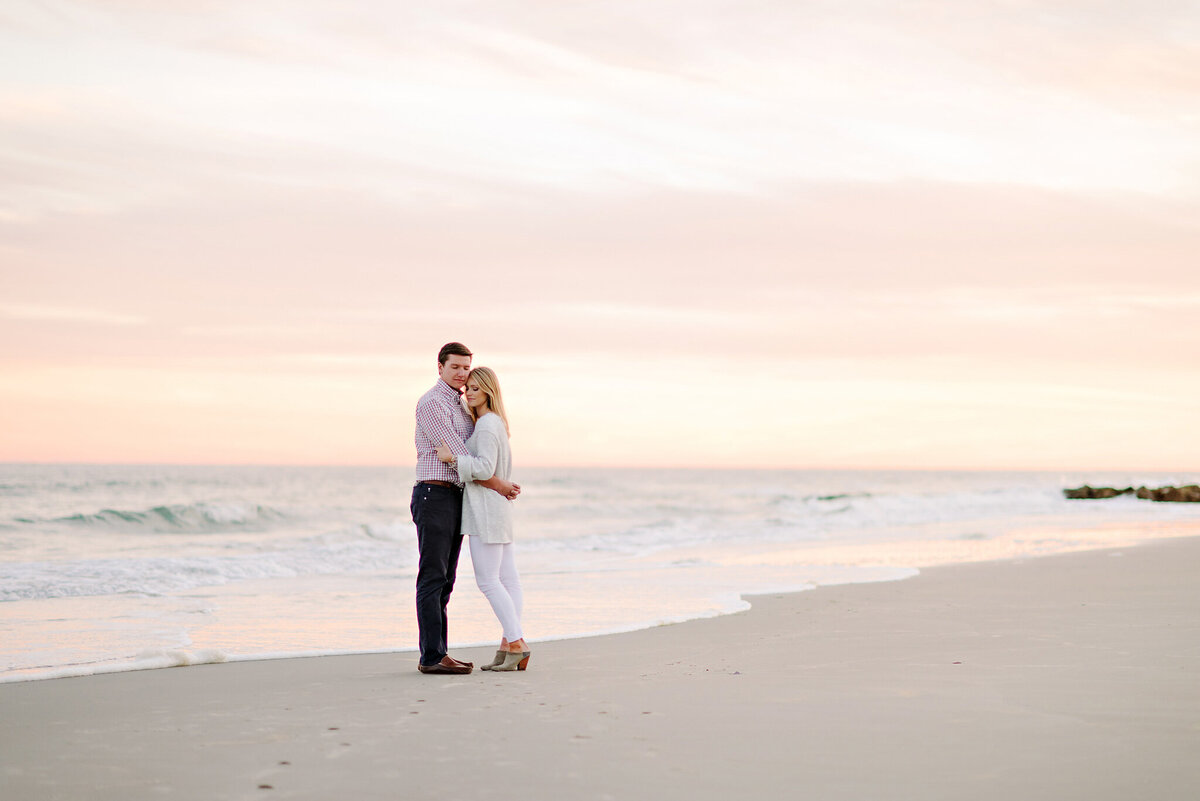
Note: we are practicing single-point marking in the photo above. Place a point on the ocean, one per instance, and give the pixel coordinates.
(107, 568)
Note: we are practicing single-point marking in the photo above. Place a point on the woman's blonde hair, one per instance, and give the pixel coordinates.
(486, 378)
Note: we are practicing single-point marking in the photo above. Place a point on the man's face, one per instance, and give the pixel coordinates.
(454, 371)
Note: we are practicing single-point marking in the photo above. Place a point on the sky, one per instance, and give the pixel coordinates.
(852, 234)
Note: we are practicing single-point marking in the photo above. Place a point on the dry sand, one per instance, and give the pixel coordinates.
(1064, 677)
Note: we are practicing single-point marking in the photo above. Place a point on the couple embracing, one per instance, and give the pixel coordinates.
(463, 487)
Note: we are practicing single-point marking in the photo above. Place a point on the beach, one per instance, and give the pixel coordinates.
(1071, 676)
(846, 355)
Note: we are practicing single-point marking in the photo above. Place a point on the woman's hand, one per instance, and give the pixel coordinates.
(444, 453)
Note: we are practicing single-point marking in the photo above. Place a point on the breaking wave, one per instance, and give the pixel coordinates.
(196, 517)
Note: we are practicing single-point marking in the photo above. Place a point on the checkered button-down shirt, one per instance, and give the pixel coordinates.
(441, 417)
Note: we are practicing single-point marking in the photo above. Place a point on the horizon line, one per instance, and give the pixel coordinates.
(689, 468)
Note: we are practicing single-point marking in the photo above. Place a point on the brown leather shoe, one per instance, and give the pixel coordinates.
(446, 666)
(460, 662)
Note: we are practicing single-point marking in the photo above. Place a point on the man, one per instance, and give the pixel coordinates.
(437, 504)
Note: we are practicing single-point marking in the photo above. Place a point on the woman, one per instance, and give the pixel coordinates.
(487, 515)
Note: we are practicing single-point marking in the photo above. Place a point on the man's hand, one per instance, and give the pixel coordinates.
(506, 488)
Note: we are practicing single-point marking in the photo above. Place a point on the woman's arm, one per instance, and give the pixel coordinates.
(481, 465)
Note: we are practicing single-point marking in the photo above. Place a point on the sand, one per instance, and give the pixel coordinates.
(1063, 677)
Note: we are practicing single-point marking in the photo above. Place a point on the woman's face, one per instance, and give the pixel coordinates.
(476, 397)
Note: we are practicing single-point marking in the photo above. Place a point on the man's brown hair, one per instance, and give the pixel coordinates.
(453, 349)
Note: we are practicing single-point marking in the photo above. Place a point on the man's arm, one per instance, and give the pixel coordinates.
(506, 488)
(434, 419)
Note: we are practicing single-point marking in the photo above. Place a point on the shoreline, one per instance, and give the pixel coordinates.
(833, 565)
(1062, 676)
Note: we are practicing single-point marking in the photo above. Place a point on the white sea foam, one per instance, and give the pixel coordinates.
(147, 660)
(151, 659)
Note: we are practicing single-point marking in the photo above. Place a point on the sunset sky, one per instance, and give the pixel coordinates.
(822, 234)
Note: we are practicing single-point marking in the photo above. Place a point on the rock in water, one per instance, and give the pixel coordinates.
(1189, 493)
(1087, 493)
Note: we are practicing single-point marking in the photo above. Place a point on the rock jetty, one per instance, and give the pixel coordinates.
(1189, 493)
(1186, 494)
(1086, 493)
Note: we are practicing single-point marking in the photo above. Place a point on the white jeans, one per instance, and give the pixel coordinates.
(496, 575)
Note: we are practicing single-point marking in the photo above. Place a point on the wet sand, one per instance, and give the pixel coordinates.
(1063, 677)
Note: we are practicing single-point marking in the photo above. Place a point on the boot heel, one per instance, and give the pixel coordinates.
(524, 663)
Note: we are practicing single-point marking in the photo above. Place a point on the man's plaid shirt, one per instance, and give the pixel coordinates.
(441, 417)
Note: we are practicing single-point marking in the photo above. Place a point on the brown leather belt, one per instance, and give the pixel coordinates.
(437, 483)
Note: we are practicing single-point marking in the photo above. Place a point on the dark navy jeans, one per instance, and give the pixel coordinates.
(437, 511)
